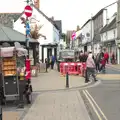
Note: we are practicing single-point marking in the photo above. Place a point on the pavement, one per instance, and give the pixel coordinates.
(66, 105)
(50, 103)
(53, 80)
(57, 105)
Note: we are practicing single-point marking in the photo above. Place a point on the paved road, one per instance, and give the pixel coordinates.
(103, 101)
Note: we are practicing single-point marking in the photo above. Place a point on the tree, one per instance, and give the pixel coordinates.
(63, 36)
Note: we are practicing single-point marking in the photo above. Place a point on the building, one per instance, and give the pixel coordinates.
(84, 37)
(99, 21)
(68, 39)
(109, 35)
(118, 31)
(49, 31)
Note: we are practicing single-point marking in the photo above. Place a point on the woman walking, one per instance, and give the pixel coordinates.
(90, 70)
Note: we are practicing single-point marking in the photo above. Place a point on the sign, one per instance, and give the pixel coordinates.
(27, 29)
(74, 35)
(28, 11)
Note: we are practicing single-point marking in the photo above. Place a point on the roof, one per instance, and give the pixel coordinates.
(100, 12)
(86, 23)
(109, 26)
(7, 18)
(9, 35)
(59, 24)
(49, 19)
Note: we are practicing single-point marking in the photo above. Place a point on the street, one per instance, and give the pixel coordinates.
(103, 100)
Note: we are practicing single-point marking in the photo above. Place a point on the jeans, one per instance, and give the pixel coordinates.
(90, 71)
(97, 66)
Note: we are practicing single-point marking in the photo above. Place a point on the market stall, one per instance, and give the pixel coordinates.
(13, 70)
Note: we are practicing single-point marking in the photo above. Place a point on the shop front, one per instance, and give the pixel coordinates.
(111, 49)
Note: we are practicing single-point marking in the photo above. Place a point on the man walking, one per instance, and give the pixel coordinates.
(53, 59)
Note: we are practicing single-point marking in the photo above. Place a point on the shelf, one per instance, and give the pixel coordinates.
(10, 65)
(9, 69)
(9, 75)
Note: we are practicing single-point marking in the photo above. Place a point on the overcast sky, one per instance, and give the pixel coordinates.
(71, 12)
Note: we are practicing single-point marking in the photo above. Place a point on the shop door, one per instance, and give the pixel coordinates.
(49, 53)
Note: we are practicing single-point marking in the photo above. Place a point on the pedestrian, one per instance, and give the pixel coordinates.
(53, 59)
(28, 90)
(103, 63)
(47, 64)
(97, 62)
(90, 68)
(113, 58)
(106, 56)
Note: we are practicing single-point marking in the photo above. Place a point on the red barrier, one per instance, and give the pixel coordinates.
(72, 68)
(83, 69)
(79, 67)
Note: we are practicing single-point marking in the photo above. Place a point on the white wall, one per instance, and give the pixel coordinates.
(105, 17)
(87, 29)
(48, 29)
(109, 35)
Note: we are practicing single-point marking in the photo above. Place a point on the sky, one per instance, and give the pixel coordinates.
(71, 12)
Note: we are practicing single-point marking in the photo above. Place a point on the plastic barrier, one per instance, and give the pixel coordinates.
(72, 68)
(83, 69)
(65, 68)
(79, 68)
(61, 68)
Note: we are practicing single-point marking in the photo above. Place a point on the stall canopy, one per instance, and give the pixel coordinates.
(9, 51)
(9, 35)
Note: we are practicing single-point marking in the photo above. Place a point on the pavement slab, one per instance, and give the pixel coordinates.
(67, 105)
(53, 81)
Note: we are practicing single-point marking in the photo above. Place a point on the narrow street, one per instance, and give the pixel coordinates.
(103, 100)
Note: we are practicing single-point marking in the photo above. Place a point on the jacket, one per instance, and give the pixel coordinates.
(90, 62)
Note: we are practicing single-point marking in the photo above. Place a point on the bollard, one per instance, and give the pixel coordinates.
(0, 112)
(67, 80)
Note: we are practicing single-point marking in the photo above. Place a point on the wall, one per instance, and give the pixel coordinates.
(56, 35)
(86, 29)
(109, 35)
(46, 30)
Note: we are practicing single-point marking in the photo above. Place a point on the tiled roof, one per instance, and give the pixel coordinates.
(9, 35)
(7, 18)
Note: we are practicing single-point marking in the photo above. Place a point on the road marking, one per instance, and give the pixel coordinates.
(96, 105)
(95, 110)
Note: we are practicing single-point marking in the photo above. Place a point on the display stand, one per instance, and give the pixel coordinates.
(9, 72)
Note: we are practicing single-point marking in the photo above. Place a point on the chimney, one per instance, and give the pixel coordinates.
(52, 18)
(37, 3)
(78, 28)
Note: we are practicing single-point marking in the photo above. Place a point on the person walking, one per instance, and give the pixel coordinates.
(97, 62)
(90, 68)
(53, 59)
(103, 63)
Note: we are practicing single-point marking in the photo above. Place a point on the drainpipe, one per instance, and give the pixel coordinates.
(91, 36)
